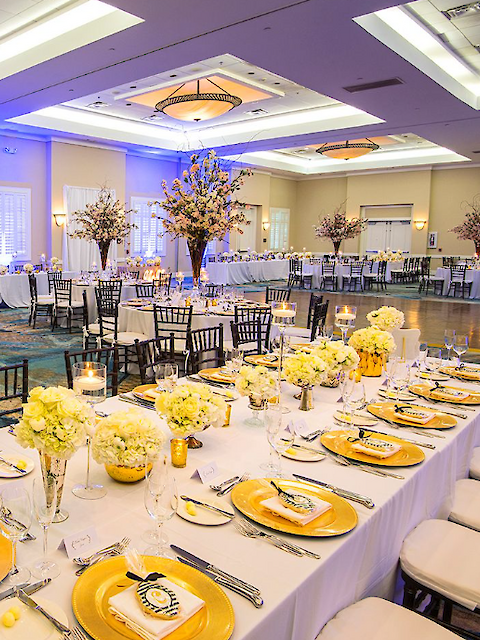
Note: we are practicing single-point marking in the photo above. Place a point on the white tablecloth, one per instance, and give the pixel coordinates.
(343, 270)
(243, 272)
(301, 594)
(128, 291)
(15, 290)
(472, 275)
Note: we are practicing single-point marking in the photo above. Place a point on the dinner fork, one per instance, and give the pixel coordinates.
(75, 634)
(248, 526)
(108, 554)
(86, 560)
(277, 543)
(229, 487)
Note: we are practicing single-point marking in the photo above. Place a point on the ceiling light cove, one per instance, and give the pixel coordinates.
(68, 29)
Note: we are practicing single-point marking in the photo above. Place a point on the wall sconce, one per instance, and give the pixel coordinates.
(420, 224)
(60, 219)
(265, 226)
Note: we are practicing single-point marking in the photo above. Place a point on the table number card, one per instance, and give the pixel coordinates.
(81, 543)
(207, 472)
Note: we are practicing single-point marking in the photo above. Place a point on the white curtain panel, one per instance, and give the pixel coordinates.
(79, 254)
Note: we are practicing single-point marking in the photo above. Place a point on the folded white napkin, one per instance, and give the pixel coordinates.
(415, 415)
(125, 607)
(152, 394)
(376, 453)
(278, 508)
(444, 392)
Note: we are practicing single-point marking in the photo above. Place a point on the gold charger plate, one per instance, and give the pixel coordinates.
(94, 588)
(248, 495)
(262, 361)
(459, 373)
(386, 410)
(140, 391)
(216, 375)
(337, 441)
(424, 390)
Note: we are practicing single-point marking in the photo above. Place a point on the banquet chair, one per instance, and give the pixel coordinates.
(400, 275)
(164, 281)
(107, 356)
(305, 332)
(319, 319)
(407, 343)
(355, 276)
(295, 275)
(378, 619)
(425, 279)
(66, 307)
(179, 321)
(14, 392)
(440, 559)
(474, 471)
(39, 305)
(52, 276)
(205, 349)
(213, 290)
(328, 276)
(144, 290)
(458, 281)
(264, 316)
(110, 290)
(466, 504)
(379, 278)
(247, 336)
(134, 275)
(277, 295)
(151, 353)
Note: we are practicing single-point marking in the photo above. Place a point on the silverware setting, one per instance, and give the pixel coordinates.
(210, 507)
(228, 488)
(10, 465)
(219, 487)
(123, 398)
(311, 436)
(248, 530)
(347, 462)
(425, 445)
(114, 550)
(343, 493)
(21, 595)
(75, 634)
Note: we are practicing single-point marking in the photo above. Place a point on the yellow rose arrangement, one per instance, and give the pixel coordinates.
(54, 421)
(258, 381)
(305, 369)
(191, 407)
(372, 340)
(386, 318)
(126, 438)
(337, 356)
(28, 268)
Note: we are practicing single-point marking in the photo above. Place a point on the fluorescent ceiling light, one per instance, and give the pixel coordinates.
(66, 31)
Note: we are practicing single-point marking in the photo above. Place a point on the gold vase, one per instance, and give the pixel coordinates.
(331, 381)
(306, 399)
(54, 468)
(371, 365)
(121, 473)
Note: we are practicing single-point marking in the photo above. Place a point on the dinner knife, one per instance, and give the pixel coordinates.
(303, 448)
(213, 569)
(10, 465)
(254, 598)
(29, 589)
(343, 493)
(227, 514)
(21, 595)
(144, 405)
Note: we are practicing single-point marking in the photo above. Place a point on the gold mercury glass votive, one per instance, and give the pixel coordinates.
(228, 413)
(178, 449)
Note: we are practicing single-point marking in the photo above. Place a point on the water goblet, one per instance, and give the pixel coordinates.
(449, 338)
(401, 378)
(354, 398)
(90, 384)
(44, 498)
(390, 367)
(161, 502)
(280, 438)
(16, 519)
(460, 346)
(170, 376)
(433, 359)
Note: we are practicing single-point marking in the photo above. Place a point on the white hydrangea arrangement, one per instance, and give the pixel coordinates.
(386, 318)
(130, 261)
(28, 268)
(150, 262)
(372, 340)
(388, 256)
(305, 369)
(3, 270)
(258, 381)
(126, 438)
(138, 260)
(54, 421)
(191, 407)
(157, 261)
(337, 355)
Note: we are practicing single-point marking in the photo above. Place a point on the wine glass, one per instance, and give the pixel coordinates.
(401, 379)
(44, 498)
(280, 438)
(460, 346)
(90, 384)
(354, 398)
(161, 501)
(233, 361)
(345, 317)
(327, 331)
(390, 367)
(449, 337)
(16, 519)
(170, 376)
(433, 359)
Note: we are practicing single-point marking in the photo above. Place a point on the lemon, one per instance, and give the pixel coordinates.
(8, 619)
(190, 508)
(21, 464)
(16, 612)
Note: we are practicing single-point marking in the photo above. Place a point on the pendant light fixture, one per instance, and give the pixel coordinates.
(347, 150)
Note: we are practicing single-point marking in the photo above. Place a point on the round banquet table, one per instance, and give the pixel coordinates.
(471, 275)
(300, 594)
(15, 290)
(128, 291)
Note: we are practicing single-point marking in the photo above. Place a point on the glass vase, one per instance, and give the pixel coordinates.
(54, 468)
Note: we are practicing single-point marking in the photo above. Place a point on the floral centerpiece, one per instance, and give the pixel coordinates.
(338, 357)
(338, 227)
(54, 263)
(157, 261)
(191, 407)
(386, 318)
(305, 370)
(138, 261)
(126, 439)
(56, 423)
(150, 262)
(104, 221)
(28, 268)
(203, 208)
(257, 383)
(388, 256)
(470, 227)
(372, 345)
(3, 270)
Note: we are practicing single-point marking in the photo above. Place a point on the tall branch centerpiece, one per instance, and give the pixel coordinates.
(105, 221)
(338, 227)
(470, 227)
(201, 207)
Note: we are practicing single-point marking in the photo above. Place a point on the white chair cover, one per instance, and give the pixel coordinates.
(466, 504)
(475, 464)
(408, 343)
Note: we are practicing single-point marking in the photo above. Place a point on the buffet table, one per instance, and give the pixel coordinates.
(471, 275)
(15, 290)
(300, 594)
(343, 270)
(242, 272)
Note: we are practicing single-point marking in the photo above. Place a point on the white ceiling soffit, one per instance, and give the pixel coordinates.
(399, 30)
(72, 26)
(78, 121)
(375, 160)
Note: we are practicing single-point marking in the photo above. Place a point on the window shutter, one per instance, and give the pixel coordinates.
(279, 228)
(148, 237)
(15, 222)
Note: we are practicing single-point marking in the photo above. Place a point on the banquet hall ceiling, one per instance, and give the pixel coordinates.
(311, 46)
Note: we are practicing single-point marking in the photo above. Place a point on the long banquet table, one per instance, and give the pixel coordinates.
(15, 290)
(244, 272)
(471, 275)
(300, 594)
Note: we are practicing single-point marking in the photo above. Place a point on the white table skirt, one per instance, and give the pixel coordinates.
(128, 291)
(300, 594)
(15, 290)
(472, 275)
(242, 272)
(343, 270)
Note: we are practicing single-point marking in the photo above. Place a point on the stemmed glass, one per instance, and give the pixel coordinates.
(390, 367)
(449, 337)
(460, 346)
(233, 361)
(401, 379)
(280, 437)
(90, 384)
(44, 498)
(166, 376)
(354, 398)
(433, 359)
(345, 317)
(16, 519)
(161, 502)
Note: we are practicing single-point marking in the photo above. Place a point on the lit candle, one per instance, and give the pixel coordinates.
(90, 382)
(283, 312)
(345, 314)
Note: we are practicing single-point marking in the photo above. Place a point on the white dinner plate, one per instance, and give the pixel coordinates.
(205, 516)
(14, 458)
(437, 377)
(302, 455)
(392, 395)
(31, 624)
(358, 421)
